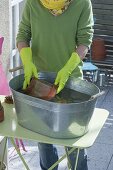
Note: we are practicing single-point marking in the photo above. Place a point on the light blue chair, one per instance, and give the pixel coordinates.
(90, 71)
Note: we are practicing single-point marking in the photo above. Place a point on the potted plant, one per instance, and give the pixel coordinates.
(98, 49)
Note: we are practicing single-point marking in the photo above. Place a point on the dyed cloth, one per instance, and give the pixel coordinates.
(4, 87)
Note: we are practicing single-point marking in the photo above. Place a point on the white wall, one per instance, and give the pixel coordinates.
(4, 30)
(10, 15)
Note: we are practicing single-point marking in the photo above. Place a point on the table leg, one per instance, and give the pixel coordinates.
(62, 158)
(3, 153)
(56, 163)
(68, 159)
(77, 158)
(69, 163)
(19, 153)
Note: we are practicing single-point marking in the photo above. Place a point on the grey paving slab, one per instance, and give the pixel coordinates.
(96, 154)
(34, 162)
(109, 122)
(101, 99)
(99, 156)
(105, 136)
(100, 152)
(106, 101)
(110, 165)
(31, 157)
(14, 160)
(96, 165)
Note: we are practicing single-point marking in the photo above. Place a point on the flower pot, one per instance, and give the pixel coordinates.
(98, 49)
(1, 112)
(41, 89)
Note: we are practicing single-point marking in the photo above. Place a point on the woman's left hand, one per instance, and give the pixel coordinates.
(61, 78)
(65, 72)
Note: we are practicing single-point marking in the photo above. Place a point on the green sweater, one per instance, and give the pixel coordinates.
(54, 38)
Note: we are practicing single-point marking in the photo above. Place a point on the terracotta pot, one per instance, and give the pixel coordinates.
(41, 89)
(1, 112)
(98, 49)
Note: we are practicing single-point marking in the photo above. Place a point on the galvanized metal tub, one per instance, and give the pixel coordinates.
(57, 120)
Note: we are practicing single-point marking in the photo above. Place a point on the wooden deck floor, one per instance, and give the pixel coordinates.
(100, 155)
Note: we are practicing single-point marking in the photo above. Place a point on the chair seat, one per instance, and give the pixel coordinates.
(88, 66)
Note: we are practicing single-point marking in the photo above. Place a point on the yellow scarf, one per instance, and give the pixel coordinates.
(52, 4)
(56, 7)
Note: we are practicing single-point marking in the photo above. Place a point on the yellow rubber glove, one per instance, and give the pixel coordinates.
(65, 72)
(29, 68)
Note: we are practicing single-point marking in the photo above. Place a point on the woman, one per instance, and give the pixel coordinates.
(54, 36)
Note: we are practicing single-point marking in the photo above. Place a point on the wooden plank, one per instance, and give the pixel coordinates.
(103, 17)
(103, 11)
(108, 60)
(103, 6)
(103, 62)
(103, 32)
(104, 66)
(104, 27)
(108, 48)
(104, 22)
(109, 54)
(109, 57)
(102, 1)
(106, 38)
(110, 43)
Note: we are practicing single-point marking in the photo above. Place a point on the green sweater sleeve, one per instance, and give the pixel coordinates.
(85, 25)
(24, 32)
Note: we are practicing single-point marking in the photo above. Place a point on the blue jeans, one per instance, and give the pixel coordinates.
(48, 156)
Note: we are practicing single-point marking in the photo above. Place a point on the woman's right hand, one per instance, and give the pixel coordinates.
(29, 68)
(29, 71)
